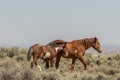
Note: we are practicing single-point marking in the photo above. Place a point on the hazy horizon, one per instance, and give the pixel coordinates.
(27, 22)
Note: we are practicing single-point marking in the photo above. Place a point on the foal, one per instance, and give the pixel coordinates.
(47, 53)
(76, 50)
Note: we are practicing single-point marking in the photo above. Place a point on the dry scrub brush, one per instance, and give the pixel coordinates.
(100, 67)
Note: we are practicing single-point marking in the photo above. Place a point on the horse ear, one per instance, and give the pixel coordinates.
(95, 39)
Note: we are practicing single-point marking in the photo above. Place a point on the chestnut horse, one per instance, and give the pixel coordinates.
(76, 50)
(45, 52)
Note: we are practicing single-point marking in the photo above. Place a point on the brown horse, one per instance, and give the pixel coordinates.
(47, 52)
(76, 50)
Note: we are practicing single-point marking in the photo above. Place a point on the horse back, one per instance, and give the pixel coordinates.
(71, 46)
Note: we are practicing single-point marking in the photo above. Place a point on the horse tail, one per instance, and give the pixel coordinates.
(30, 51)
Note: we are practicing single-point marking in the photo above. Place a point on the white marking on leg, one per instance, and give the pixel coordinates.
(56, 49)
(39, 67)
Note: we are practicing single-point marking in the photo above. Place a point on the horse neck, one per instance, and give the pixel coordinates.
(86, 43)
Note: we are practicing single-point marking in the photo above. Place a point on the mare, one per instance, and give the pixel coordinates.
(45, 52)
(76, 50)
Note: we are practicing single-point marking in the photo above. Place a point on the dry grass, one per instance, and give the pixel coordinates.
(100, 67)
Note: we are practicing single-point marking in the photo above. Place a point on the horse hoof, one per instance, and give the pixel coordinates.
(85, 69)
(47, 67)
(72, 70)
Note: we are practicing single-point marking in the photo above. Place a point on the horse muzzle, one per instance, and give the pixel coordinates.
(100, 50)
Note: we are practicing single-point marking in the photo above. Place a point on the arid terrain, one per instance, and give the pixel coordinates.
(14, 66)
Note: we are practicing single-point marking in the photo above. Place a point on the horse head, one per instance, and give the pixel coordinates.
(58, 44)
(96, 45)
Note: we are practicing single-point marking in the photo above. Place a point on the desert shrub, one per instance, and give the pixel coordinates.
(49, 77)
(112, 72)
(88, 55)
(20, 57)
(105, 69)
(101, 62)
(87, 78)
(109, 58)
(3, 52)
(89, 58)
(2, 55)
(13, 51)
(27, 75)
(88, 61)
(23, 51)
(100, 67)
(11, 54)
(9, 70)
(8, 74)
(98, 62)
(117, 76)
(116, 57)
(101, 76)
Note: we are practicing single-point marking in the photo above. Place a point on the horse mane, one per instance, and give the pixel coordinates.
(56, 43)
(87, 42)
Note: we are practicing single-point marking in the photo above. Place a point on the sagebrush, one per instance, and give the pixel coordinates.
(14, 66)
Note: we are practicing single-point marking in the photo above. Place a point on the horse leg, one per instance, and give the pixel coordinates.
(51, 61)
(73, 64)
(47, 63)
(57, 61)
(35, 62)
(83, 61)
(32, 64)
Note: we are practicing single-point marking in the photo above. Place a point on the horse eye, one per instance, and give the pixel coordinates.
(98, 43)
